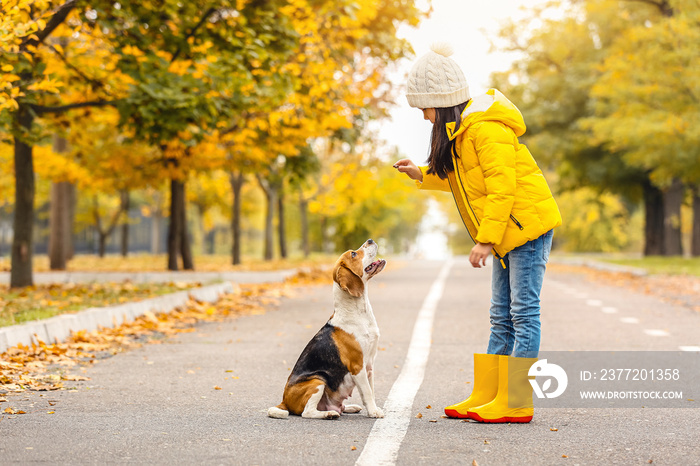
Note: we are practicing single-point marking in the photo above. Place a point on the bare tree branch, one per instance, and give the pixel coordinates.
(41, 109)
(94, 82)
(208, 13)
(663, 5)
(58, 17)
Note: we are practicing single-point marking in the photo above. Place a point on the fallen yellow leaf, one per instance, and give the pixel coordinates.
(216, 387)
(74, 378)
(12, 411)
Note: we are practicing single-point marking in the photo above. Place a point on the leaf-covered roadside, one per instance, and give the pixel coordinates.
(42, 367)
(680, 290)
(44, 301)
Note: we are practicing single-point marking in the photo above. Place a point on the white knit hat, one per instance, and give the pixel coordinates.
(436, 81)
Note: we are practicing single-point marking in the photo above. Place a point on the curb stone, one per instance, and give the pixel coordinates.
(57, 329)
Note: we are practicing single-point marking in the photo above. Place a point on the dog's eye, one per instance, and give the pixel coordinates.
(354, 254)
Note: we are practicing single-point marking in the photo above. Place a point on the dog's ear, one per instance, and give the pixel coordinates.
(349, 281)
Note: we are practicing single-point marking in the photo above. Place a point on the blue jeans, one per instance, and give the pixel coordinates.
(515, 299)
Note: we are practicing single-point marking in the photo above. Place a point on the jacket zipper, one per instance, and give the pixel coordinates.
(454, 196)
(500, 258)
(461, 184)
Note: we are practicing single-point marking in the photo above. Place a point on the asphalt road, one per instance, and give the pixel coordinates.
(158, 404)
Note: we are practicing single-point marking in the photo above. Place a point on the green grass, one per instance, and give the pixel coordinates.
(661, 265)
(158, 263)
(43, 301)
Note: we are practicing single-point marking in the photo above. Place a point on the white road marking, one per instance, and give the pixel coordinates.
(689, 348)
(594, 302)
(629, 320)
(384, 441)
(656, 333)
(609, 310)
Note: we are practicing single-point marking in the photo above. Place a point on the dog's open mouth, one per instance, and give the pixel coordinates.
(375, 267)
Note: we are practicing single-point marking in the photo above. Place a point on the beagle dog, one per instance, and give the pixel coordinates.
(341, 355)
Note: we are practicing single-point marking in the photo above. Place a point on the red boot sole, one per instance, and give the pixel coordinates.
(500, 420)
(454, 414)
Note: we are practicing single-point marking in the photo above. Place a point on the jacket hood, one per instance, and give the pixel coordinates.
(492, 106)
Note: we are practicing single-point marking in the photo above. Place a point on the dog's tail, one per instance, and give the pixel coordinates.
(278, 412)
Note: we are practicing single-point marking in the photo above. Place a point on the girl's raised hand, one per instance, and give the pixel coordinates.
(409, 168)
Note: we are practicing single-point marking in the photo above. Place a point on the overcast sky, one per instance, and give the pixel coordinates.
(467, 25)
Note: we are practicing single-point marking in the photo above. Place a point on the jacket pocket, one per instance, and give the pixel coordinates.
(515, 220)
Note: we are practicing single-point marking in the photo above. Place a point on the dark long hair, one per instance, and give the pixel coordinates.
(440, 158)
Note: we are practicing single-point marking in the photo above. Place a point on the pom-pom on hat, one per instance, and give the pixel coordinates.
(436, 81)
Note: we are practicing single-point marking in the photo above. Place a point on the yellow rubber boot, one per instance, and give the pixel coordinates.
(485, 385)
(513, 402)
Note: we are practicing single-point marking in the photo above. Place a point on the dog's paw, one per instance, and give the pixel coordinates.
(332, 415)
(352, 409)
(377, 413)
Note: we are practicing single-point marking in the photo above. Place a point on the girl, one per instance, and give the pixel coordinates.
(508, 210)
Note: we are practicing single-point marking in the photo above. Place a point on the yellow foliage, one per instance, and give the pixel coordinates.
(648, 96)
(595, 222)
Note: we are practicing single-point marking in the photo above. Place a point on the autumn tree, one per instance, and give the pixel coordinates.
(647, 108)
(27, 90)
(339, 81)
(563, 90)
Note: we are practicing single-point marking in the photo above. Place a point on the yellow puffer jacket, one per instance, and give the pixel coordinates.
(499, 190)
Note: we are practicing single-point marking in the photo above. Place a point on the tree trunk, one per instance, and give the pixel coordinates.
(653, 220)
(104, 233)
(673, 199)
(21, 273)
(304, 218)
(177, 195)
(237, 181)
(270, 198)
(185, 240)
(210, 241)
(60, 216)
(269, 221)
(178, 239)
(281, 229)
(72, 200)
(125, 206)
(60, 225)
(102, 243)
(695, 240)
